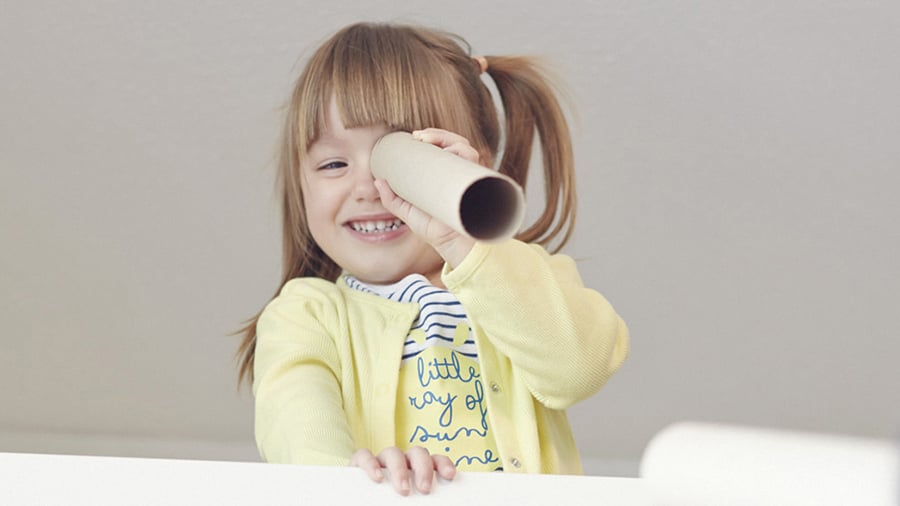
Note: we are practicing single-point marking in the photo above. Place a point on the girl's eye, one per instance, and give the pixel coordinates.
(332, 165)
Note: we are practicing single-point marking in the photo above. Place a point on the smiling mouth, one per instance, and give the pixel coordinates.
(375, 226)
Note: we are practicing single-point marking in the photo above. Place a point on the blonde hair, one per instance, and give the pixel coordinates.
(412, 78)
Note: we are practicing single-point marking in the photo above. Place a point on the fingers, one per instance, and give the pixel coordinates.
(393, 203)
(449, 141)
(397, 467)
(422, 467)
(415, 468)
(364, 459)
(399, 207)
(444, 467)
(417, 220)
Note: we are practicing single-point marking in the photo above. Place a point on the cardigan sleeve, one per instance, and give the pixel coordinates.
(299, 414)
(563, 339)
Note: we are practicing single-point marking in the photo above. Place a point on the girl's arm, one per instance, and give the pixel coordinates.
(563, 339)
(299, 414)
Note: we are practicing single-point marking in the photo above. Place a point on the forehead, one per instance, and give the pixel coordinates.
(334, 135)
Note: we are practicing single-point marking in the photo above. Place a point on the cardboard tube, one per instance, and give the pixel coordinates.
(471, 199)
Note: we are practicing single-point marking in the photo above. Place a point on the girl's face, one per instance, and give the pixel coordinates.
(345, 214)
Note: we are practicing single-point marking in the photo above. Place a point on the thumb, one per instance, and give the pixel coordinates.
(393, 202)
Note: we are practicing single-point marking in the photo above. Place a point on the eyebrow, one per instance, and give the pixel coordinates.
(325, 142)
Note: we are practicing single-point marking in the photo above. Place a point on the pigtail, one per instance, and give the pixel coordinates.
(530, 105)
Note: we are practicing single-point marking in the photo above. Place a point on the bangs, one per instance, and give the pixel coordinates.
(381, 75)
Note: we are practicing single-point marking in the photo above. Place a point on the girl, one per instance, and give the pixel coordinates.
(395, 343)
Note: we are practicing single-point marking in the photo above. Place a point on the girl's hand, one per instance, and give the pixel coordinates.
(451, 245)
(449, 141)
(416, 464)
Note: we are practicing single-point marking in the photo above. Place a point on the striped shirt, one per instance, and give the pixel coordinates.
(441, 322)
(440, 392)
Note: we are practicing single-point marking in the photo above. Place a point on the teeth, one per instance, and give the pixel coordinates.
(368, 227)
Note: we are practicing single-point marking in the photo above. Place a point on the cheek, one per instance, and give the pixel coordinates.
(321, 204)
(315, 211)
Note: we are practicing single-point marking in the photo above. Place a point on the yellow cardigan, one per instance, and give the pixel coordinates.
(328, 358)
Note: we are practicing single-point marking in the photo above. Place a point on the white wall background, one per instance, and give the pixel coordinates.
(738, 180)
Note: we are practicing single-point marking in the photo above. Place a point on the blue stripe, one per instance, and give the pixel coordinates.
(357, 285)
(423, 306)
(431, 337)
(413, 354)
(448, 306)
(414, 283)
(416, 288)
(460, 316)
(424, 325)
(437, 324)
(437, 291)
(437, 336)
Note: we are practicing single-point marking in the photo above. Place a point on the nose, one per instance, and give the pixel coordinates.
(364, 184)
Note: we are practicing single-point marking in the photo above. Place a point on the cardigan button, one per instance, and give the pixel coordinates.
(495, 387)
(515, 462)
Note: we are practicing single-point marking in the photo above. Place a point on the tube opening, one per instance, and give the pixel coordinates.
(491, 208)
